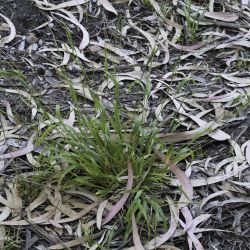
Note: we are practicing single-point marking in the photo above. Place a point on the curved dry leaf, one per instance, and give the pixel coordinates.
(188, 135)
(116, 50)
(242, 184)
(192, 239)
(243, 82)
(108, 6)
(12, 34)
(189, 48)
(44, 218)
(79, 215)
(217, 134)
(247, 154)
(188, 217)
(235, 200)
(2, 237)
(83, 193)
(23, 151)
(99, 213)
(161, 239)
(14, 199)
(168, 77)
(65, 48)
(116, 208)
(186, 196)
(50, 20)
(9, 134)
(164, 47)
(157, 8)
(99, 51)
(4, 201)
(5, 213)
(179, 233)
(69, 244)
(144, 33)
(26, 95)
(37, 202)
(2, 164)
(133, 75)
(237, 149)
(214, 179)
(71, 3)
(186, 186)
(66, 58)
(223, 16)
(136, 237)
(159, 109)
(80, 11)
(97, 245)
(211, 196)
(15, 223)
(201, 218)
(245, 2)
(56, 200)
(85, 39)
(9, 111)
(243, 43)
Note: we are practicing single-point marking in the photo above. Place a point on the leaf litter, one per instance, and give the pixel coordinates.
(174, 62)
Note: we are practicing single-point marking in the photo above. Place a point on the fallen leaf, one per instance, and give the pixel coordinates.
(85, 34)
(71, 3)
(108, 6)
(161, 239)
(26, 95)
(223, 16)
(243, 81)
(211, 196)
(23, 151)
(12, 34)
(70, 244)
(99, 213)
(136, 237)
(116, 208)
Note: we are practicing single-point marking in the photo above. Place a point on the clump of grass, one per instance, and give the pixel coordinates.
(96, 152)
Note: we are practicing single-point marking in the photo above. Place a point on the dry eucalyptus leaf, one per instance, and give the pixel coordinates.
(108, 6)
(223, 16)
(12, 34)
(59, 6)
(136, 236)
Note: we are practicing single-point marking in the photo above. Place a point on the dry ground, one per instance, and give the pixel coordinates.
(182, 64)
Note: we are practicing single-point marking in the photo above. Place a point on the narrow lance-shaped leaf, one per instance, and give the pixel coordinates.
(119, 205)
(136, 237)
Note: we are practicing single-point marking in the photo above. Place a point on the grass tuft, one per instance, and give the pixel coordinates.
(95, 153)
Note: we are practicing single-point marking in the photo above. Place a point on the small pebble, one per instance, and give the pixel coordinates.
(34, 46)
(40, 42)
(21, 46)
(40, 70)
(74, 67)
(31, 39)
(48, 73)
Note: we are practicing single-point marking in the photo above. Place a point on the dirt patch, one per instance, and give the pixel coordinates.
(24, 14)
